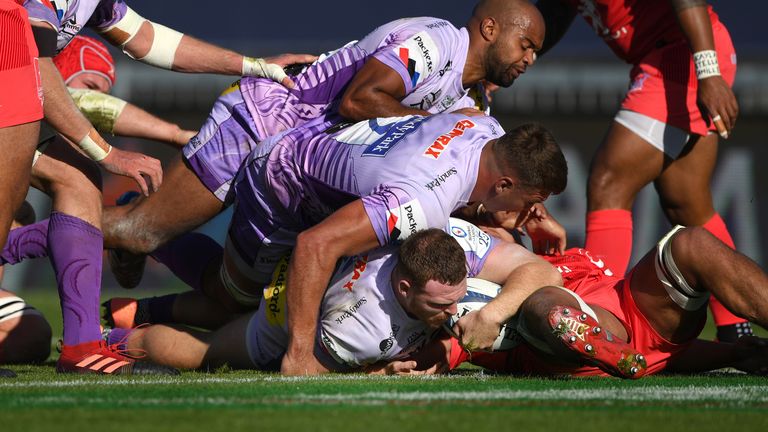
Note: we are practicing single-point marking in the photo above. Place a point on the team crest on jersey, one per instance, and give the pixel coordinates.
(471, 238)
(441, 143)
(419, 55)
(405, 220)
(58, 6)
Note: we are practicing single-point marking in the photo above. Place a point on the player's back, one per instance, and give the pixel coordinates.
(426, 52)
(432, 160)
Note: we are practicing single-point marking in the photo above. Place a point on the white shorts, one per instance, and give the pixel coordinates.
(666, 138)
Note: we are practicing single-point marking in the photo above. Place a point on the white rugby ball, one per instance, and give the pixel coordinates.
(480, 292)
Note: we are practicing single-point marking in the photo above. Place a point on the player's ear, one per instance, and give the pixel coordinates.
(489, 29)
(503, 184)
(404, 286)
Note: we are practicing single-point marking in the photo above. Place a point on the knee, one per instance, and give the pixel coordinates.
(28, 341)
(538, 304)
(607, 188)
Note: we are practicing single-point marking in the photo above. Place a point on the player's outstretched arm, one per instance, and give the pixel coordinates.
(714, 94)
(346, 232)
(558, 17)
(520, 272)
(110, 114)
(62, 113)
(160, 46)
(375, 91)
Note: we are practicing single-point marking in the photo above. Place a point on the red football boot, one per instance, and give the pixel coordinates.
(99, 358)
(582, 334)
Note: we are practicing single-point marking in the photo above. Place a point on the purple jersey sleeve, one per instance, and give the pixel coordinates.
(477, 244)
(418, 56)
(395, 214)
(107, 13)
(38, 11)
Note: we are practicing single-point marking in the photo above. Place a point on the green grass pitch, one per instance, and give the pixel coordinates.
(41, 400)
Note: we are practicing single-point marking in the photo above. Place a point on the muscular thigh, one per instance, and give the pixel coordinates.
(229, 345)
(684, 185)
(623, 165)
(652, 300)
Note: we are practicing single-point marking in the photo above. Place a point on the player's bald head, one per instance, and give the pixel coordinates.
(518, 13)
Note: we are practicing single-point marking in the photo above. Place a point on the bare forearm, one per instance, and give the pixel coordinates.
(135, 122)
(62, 113)
(695, 23)
(375, 104)
(309, 272)
(194, 55)
(521, 283)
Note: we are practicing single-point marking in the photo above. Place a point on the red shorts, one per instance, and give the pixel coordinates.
(663, 85)
(595, 288)
(21, 92)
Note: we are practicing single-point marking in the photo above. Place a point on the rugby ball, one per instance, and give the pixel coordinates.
(480, 292)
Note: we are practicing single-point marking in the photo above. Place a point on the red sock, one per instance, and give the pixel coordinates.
(609, 237)
(721, 315)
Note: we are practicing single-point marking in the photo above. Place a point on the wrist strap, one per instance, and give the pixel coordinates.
(706, 64)
(93, 150)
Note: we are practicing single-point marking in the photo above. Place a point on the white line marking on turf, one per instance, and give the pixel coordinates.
(719, 395)
(114, 381)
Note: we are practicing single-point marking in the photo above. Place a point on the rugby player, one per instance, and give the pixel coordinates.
(74, 183)
(680, 94)
(20, 108)
(349, 190)
(379, 306)
(601, 322)
(410, 66)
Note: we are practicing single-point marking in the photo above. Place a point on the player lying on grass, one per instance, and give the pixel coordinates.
(362, 186)
(601, 322)
(410, 66)
(684, 65)
(380, 305)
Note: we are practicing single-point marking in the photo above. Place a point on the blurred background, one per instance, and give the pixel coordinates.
(574, 90)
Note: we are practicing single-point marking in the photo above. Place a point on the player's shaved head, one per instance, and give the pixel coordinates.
(504, 36)
(518, 13)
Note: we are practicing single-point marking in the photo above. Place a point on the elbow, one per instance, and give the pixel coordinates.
(314, 243)
(352, 108)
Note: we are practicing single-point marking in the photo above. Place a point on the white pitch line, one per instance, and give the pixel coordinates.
(718, 395)
(151, 381)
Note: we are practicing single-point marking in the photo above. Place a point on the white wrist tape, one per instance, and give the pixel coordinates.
(706, 64)
(259, 68)
(93, 150)
(164, 43)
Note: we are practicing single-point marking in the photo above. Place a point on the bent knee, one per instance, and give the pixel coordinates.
(27, 340)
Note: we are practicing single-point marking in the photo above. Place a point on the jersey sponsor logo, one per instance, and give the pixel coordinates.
(418, 54)
(446, 68)
(389, 135)
(441, 143)
(274, 293)
(638, 82)
(440, 179)
(437, 24)
(351, 310)
(471, 238)
(361, 262)
(406, 220)
(427, 101)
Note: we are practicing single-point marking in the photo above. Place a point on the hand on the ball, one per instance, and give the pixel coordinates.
(477, 331)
